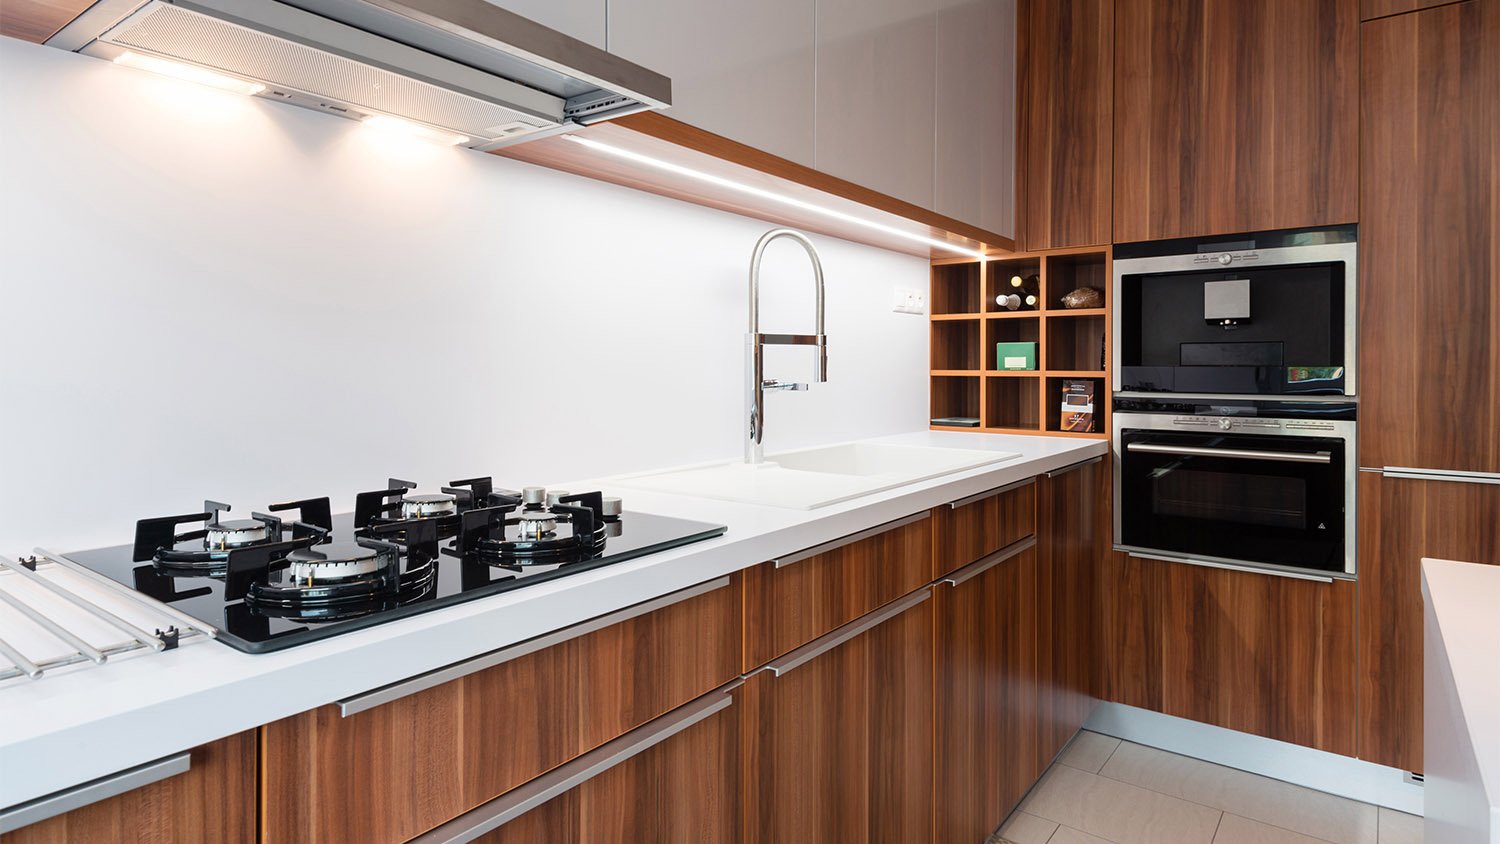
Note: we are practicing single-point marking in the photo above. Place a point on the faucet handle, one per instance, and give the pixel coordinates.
(773, 384)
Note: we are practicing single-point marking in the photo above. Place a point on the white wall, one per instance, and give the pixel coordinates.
(204, 295)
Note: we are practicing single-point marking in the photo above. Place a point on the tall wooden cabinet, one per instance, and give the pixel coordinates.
(1073, 524)
(1233, 116)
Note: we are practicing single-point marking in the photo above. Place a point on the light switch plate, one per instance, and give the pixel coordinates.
(908, 301)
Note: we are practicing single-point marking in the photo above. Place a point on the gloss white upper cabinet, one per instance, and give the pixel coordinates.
(581, 19)
(744, 70)
(975, 114)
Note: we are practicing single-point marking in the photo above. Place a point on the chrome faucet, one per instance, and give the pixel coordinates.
(755, 343)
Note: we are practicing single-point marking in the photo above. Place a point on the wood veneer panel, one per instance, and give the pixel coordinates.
(213, 802)
(38, 20)
(968, 710)
(1400, 522)
(1232, 116)
(966, 533)
(1429, 251)
(1130, 609)
(789, 607)
(1072, 524)
(1369, 9)
(1065, 57)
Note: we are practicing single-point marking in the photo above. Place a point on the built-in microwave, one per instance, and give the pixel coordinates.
(1226, 486)
(1266, 313)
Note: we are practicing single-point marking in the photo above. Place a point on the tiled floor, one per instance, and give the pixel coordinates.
(1105, 791)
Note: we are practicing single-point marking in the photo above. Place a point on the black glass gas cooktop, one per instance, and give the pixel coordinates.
(267, 585)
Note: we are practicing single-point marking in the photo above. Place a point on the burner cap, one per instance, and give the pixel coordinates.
(236, 534)
(336, 561)
(427, 505)
(536, 524)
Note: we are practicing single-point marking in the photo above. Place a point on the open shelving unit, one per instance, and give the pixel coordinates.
(966, 379)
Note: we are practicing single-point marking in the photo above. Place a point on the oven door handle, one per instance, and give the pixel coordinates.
(1233, 453)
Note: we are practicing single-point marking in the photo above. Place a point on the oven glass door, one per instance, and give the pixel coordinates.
(1261, 499)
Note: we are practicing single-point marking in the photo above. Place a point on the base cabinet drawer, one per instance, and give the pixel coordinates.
(793, 600)
(975, 527)
(398, 769)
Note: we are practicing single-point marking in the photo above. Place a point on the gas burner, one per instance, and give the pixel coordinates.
(554, 528)
(429, 505)
(221, 536)
(205, 551)
(338, 561)
(536, 524)
(287, 580)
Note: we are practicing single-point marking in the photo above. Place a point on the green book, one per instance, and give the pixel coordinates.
(1015, 356)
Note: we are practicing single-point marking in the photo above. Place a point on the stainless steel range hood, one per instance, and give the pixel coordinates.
(463, 67)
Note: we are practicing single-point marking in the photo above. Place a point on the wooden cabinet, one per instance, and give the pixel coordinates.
(1401, 521)
(213, 802)
(1232, 116)
(741, 70)
(1072, 527)
(793, 600)
(393, 771)
(989, 726)
(975, 527)
(974, 114)
(1429, 255)
(838, 735)
(1259, 653)
(1065, 118)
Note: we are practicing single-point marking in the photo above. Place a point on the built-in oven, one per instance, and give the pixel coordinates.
(1262, 485)
(1267, 313)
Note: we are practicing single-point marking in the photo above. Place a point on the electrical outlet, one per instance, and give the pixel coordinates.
(908, 301)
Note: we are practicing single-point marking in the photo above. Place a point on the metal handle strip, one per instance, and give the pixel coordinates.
(184, 622)
(153, 642)
(1452, 475)
(66, 635)
(823, 644)
(57, 803)
(1232, 453)
(1074, 466)
(410, 686)
(790, 339)
(782, 562)
(22, 664)
(984, 564)
(568, 776)
(954, 505)
(1193, 561)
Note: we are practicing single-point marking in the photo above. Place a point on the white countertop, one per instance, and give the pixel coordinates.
(1463, 605)
(76, 725)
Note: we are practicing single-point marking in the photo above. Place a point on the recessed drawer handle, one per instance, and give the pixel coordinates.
(1074, 466)
(568, 776)
(827, 642)
(410, 686)
(1441, 475)
(989, 493)
(1233, 453)
(782, 562)
(984, 564)
(57, 803)
(1210, 564)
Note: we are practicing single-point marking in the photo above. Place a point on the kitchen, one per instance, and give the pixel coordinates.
(931, 577)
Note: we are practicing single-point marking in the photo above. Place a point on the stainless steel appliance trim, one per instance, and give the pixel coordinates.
(66, 635)
(1453, 475)
(147, 639)
(1216, 563)
(568, 776)
(1342, 429)
(1347, 253)
(421, 682)
(1234, 453)
(19, 660)
(1299, 399)
(1074, 466)
(984, 564)
(57, 803)
(954, 505)
(827, 642)
(783, 562)
(184, 622)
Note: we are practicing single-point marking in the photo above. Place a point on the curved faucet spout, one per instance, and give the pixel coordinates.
(756, 383)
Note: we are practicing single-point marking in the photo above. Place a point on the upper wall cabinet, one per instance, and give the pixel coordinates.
(877, 71)
(1066, 105)
(974, 108)
(581, 19)
(1232, 116)
(741, 70)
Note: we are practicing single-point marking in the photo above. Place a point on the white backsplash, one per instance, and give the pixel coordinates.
(205, 295)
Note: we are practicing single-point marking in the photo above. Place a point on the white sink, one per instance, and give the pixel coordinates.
(817, 477)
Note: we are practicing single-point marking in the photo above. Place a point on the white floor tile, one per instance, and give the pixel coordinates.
(1118, 811)
(1312, 813)
(1234, 829)
(1088, 751)
(1068, 835)
(1399, 827)
(1027, 829)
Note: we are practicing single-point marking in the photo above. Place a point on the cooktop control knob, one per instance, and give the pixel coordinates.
(1226, 423)
(555, 497)
(612, 506)
(534, 494)
(1226, 258)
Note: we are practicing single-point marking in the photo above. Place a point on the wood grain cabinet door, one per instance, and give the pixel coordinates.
(391, 772)
(980, 525)
(213, 802)
(1429, 250)
(838, 735)
(1234, 116)
(1400, 522)
(988, 720)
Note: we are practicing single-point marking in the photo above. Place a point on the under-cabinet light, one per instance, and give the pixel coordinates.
(397, 126)
(762, 193)
(190, 73)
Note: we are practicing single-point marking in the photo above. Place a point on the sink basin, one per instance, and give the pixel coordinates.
(817, 477)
